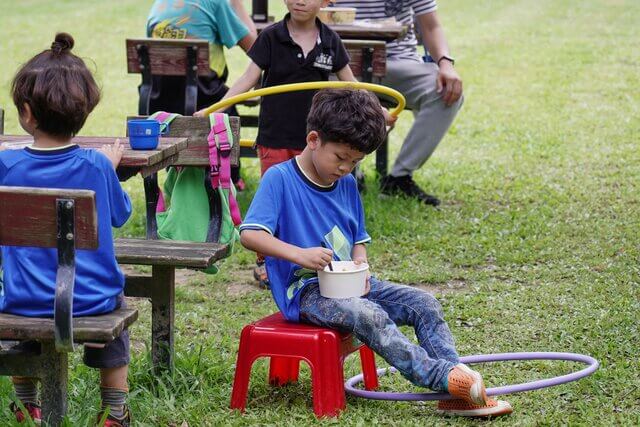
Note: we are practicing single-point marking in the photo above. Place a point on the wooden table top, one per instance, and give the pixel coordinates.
(360, 31)
(131, 158)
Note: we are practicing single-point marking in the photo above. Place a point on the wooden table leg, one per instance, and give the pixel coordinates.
(151, 196)
(54, 384)
(162, 317)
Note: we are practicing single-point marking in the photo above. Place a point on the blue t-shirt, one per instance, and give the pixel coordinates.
(299, 212)
(211, 20)
(30, 273)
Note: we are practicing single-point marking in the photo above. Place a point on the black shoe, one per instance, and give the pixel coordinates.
(405, 185)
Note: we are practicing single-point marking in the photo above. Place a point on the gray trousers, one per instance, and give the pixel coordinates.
(416, 80)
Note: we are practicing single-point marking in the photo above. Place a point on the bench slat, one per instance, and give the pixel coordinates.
(102, 328)
(168, 57)
(28, 217)
(169, 252)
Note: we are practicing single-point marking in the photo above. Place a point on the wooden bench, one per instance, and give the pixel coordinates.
(66, 220)
(167, 57)
(164, 256)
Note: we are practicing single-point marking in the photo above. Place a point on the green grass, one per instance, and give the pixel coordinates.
(538, 234)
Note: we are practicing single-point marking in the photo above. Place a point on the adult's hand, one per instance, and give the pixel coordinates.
(449, 83)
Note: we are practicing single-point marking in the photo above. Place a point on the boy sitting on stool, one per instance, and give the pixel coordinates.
(312, 200)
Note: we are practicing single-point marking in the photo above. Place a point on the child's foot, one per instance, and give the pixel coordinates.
(462, 408)
(466, 384)
(260, 274)
(112, 421)
(33, 409)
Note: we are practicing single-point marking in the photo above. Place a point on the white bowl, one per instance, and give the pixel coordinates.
(345, 281)
(337, 15)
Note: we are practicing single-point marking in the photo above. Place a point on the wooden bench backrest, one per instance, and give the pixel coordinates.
(168, 57)
(28, 217)
(379, 56)
(197, 130)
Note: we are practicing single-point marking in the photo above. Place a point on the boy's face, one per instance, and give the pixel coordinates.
(332, 160)
(305, 10)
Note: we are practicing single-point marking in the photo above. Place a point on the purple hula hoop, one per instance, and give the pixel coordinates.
(592, 365)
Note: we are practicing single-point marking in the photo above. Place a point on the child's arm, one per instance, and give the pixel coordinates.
(113, 152)
(246, 82)
(359, 256)
(247, 41)
(261, 241)
(346, 75)
(359, 253)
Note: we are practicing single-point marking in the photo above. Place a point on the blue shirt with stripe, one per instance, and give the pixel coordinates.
(297, 211)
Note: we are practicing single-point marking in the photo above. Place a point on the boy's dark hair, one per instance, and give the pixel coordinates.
(58, 87)
(348, 116)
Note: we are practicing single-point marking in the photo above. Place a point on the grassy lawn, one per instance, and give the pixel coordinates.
(535, 248)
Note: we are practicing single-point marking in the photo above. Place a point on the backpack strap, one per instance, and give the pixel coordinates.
(164, 118)
(220, 141)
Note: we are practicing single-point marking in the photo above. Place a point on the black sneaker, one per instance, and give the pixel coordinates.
(405, 185)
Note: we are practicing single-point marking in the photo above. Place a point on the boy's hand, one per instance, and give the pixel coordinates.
(199, 113)
(314, 258)
(388, 118)
(362, 260)
(113, 152)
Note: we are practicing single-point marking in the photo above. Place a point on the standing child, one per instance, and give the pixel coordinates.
(297, 49)
(312, 200)
(54, 93)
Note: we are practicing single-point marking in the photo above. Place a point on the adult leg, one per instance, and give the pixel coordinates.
(371, 324)
(416, 80)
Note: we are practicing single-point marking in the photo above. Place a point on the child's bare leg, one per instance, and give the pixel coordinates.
(115, 377)
(114, 389)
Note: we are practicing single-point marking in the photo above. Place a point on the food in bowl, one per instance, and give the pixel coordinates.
(347, 280)
(337, 15)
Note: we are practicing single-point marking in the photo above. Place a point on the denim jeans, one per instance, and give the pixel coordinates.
(374, 320)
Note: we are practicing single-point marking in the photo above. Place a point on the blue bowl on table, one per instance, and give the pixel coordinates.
(144, 134)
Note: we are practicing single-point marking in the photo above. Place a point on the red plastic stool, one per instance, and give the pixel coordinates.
(286, 343)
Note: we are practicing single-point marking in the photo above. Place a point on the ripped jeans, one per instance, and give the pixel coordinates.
(374, 320)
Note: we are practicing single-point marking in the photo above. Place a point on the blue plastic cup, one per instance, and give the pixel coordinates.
(145, 134)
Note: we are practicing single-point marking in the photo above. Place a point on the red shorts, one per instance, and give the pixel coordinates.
(272, 156)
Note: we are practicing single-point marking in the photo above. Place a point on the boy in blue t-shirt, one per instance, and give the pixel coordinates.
(54, 93)
(312, 201)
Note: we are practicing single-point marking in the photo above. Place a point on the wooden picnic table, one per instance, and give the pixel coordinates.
(146, 162)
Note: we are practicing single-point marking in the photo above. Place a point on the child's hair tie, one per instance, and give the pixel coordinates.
(62, 43)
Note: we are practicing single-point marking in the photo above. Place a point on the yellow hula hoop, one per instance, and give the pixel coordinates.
(292, 87)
